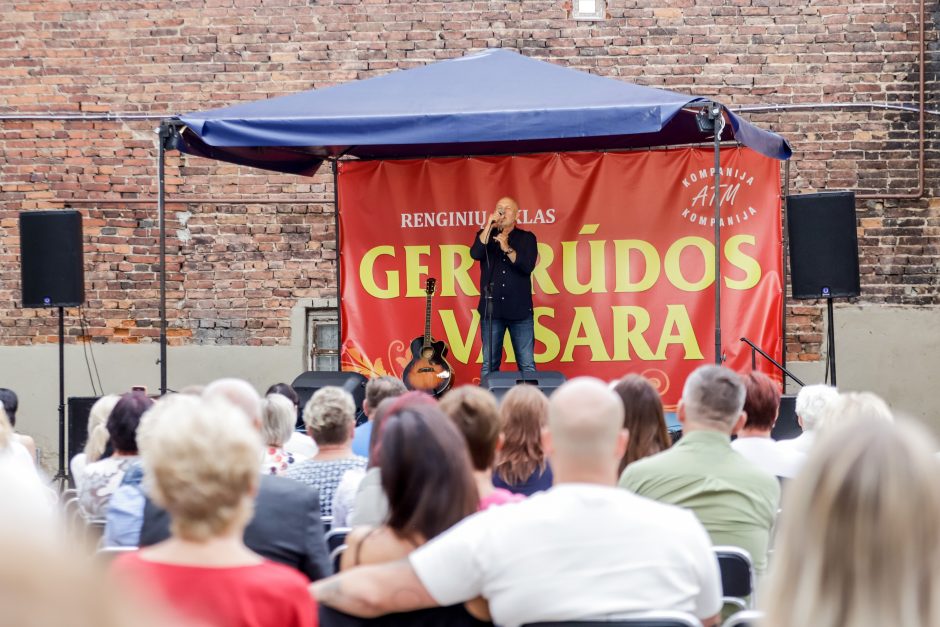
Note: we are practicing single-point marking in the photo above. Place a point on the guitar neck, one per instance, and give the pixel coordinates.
(427, 322)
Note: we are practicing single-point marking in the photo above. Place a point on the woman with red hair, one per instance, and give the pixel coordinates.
(762, 405)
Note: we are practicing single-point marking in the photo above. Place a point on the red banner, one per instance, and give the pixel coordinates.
(625, 277)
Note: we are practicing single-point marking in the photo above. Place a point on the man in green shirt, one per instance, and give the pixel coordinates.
(734, 500)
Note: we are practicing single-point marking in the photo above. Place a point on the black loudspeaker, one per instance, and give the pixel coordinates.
(51, 258)
(823, 245)
(311, 381)
(787, 427)
(79, 409)
(502, 381)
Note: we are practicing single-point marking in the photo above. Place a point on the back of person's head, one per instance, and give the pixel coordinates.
(27, 506)
(476, 414)
(239, 393)
(850, 407)
(10, 404)
(330, 415)
(523, 413)
(278, 416)
(585, 420)
(388, 406)
(644, 418)
(6, 429)
(813, 402)
(201, 460)
(194, 389)
(381, 388)
(713, 398)
(426, 472)
(42, 585)
(761, 401)
(98, 436)
(284, 389)
(124, 420)
(858, 543)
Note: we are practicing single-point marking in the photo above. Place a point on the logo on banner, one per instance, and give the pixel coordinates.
(699, 205)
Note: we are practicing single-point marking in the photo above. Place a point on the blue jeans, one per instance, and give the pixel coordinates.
(522, 336)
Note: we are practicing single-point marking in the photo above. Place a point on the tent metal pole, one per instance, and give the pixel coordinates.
(785, 251)
(339, 295)
(163, 134)
(715, 113)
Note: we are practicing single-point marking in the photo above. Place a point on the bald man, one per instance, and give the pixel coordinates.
(582, 550)
(507, 256)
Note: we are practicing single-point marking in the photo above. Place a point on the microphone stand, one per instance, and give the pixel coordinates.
(768, 358)
(488, 296)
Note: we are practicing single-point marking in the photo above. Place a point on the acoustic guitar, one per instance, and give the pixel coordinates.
(428, 369)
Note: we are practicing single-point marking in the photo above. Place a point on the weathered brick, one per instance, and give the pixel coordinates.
(237, 269)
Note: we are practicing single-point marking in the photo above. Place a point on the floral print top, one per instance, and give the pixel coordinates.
(277, 460)
(101, 480)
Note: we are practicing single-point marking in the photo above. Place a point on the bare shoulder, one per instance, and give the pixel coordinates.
(378, 545)
(353, 541)
(356, 535)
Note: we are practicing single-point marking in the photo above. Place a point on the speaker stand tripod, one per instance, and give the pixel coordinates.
(62, 477)
(831, 349)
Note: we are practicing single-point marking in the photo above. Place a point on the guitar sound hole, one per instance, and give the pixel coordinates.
(425, 369)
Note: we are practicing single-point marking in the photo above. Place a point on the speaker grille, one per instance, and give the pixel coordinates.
(51, 257)
(823, 245)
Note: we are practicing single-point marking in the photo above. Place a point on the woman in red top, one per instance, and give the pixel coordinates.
(201, 462)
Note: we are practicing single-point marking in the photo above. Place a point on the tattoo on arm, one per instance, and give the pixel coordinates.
(373, 590)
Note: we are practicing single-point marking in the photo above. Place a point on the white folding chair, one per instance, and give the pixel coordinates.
(335, 556)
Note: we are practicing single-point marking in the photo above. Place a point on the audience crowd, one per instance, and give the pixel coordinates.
(210, 507)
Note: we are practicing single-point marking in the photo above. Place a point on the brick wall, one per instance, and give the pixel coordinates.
(236, 269)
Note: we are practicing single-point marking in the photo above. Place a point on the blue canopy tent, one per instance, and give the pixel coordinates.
(489, 103)
(494, 102)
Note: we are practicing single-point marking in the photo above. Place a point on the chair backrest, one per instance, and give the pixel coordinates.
(737, 576)
(335, 556)
(746, 618)
(336, 537)
(643, 619)
(74, 517)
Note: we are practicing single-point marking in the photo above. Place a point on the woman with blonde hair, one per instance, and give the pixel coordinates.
(98, 437)
(277, 424)
(858, 544)
(201, 464)
(521, 466)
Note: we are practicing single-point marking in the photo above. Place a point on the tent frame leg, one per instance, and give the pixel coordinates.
(785, 253)
(711, 118)
(334, 164)
(167, 137)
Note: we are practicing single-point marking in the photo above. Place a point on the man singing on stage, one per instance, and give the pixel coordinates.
(507, 259)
